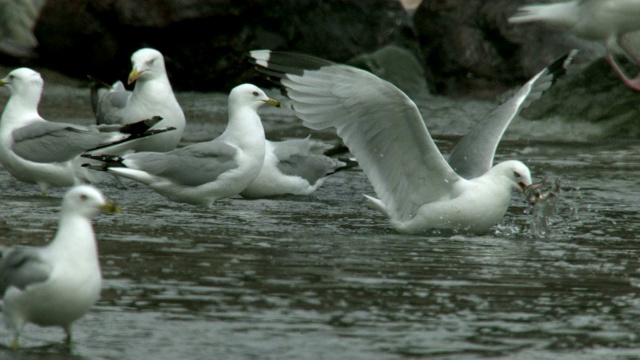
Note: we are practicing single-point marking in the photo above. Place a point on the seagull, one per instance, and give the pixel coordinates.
(152, 95)
(418, 189)
(56, 284)
(606, 21)
(201, 173)
(294, 167)
(38, 151)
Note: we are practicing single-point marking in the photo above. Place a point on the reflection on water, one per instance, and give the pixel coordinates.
(323, 276)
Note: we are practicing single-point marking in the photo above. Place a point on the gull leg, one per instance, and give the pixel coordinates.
(44, 188)
(15, 344)
(633, 83)
(118, 181)
(68, 340)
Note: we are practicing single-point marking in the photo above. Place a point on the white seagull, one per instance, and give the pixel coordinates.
(152, 95)
(56, 284)
(37, 151)
(417, 188)
(294, 167)
(606, 21)
(202, 173)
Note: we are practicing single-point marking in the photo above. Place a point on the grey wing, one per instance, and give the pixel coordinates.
(45, 142)
(112, 104)
(379, 124)
(295, 158)
(21, 267)
(473, 155)
(192, 165)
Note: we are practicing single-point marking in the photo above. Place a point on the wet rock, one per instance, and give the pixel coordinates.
(591, 93)
(397, 65)
(205, 41)
(472, 50)
(17, 18)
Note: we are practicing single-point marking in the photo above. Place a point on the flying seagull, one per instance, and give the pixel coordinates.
(606, 21)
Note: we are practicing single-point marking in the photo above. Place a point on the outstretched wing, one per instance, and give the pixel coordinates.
(473, 155)
(380, 125)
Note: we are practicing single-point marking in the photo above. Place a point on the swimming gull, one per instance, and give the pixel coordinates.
(606, 21)
(294, 167)
(204, 172)
(35, 150)
(56, 284)
(152, 95)
(383, 128)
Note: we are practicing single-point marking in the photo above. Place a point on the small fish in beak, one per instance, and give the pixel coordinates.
(541, 191)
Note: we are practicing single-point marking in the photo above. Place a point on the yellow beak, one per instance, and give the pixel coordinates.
(134, 75)
(110, 208)
(2, 83)
(273, 102)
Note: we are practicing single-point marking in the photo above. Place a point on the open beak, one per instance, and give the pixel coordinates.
(273, 102)
(134, 75)
(110, 208)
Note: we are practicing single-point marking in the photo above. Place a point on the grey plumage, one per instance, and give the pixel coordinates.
(298, 158)
(109, 101)
(473, 155)
(194, 165)
(21, 267)
(47, 142)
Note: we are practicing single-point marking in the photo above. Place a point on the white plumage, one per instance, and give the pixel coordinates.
(606, 21)
(56, 284)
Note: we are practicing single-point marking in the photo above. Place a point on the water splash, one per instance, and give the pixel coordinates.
(551, 211)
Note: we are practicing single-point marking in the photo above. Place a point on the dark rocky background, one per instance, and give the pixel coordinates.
(458, 48)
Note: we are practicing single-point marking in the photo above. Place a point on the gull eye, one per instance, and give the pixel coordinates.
(150, 62)
(83, 197)
(255, 93)
(517, 174)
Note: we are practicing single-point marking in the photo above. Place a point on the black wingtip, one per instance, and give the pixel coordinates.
(348, 164)
(139, 127)
(107, 161)
(278, 64)
(339, 149)
(559, 67)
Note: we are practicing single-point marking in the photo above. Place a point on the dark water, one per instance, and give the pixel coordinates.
(325, 277)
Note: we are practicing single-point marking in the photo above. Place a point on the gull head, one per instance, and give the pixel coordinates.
(250, 95)
(23, 80)
(146, 63)
(87, 201)
(515, 172)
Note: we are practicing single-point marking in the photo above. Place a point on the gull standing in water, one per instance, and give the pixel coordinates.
(294, 167)
(417, 188)
(38, 151)
(204, 172)
(606, 21)
(56, 284)
(152, 95)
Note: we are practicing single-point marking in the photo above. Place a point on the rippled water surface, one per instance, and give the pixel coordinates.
(325, 277)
